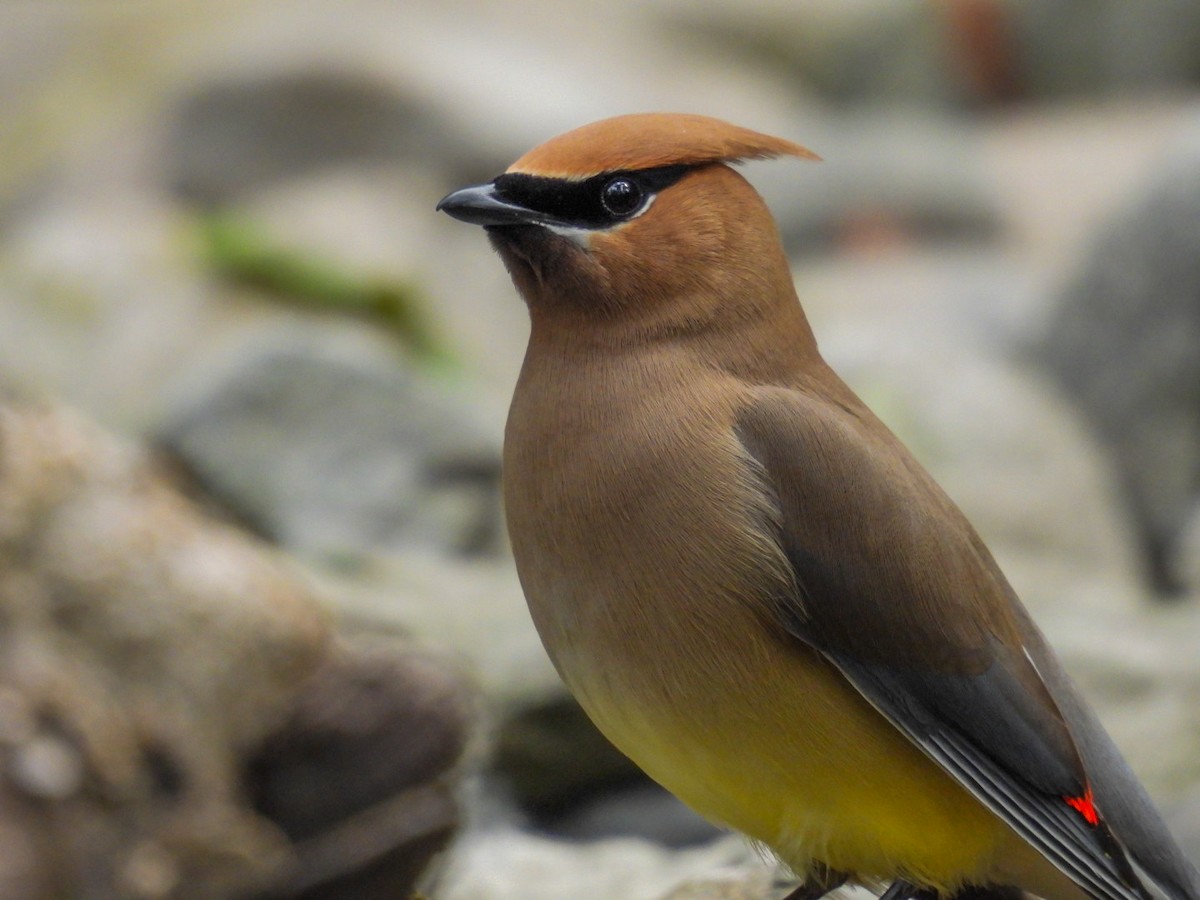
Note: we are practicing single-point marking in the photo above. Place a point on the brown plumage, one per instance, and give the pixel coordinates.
(748, 582)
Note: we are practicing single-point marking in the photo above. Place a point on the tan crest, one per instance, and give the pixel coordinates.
(647, 140)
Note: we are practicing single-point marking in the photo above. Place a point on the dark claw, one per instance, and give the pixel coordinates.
(906, 890)
(820, 882)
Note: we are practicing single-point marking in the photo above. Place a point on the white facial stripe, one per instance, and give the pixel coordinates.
(645, 206)
(581, 236)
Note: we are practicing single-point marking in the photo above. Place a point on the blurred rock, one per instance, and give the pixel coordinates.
(24, 873)
(881, 50)
(1059, 169)
(554, 757)
(268, 93)
(642, 810)
(571, 782)
(901, 178)
(121, 731)
(334, 447)
(473, 606)
(750, 882)
(66, 78)
(370, 219)
(99, 303)
(1122, 343)
(360, 777)
(510, 865)
(1186, 560)
(956, 52)
(174, 720)
(476, 608)
(1096, 47)
(735, 886)
(229, 136)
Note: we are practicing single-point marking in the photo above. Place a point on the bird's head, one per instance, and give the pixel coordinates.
(636, 217)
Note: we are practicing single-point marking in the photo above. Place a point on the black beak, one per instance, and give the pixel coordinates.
(480, 205)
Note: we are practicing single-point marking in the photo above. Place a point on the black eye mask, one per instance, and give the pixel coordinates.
(595, 203)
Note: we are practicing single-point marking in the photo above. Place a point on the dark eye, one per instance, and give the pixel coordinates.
(621, 196)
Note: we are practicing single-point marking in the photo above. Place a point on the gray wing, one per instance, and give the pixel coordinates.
(901, 595)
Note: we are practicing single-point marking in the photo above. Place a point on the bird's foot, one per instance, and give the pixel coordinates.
(820, 881)
(906, 890)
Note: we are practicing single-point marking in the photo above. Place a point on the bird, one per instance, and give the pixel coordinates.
(749, 584)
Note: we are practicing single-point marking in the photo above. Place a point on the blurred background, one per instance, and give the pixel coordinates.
(260, 634)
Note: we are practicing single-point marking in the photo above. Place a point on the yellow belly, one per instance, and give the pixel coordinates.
(797, 760)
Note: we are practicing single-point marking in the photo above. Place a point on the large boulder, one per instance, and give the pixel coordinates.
(335, 447)
(173, 710)
(1122, 343)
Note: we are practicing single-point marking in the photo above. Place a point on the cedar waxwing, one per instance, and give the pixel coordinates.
(750, 585)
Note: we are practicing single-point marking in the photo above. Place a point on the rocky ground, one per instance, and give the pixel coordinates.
(262, 635)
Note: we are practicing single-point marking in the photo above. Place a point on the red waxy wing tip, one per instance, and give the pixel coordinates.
(1085, 806)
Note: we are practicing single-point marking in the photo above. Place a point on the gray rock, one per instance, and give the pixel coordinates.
(474, 606)
(361, 775)
(231, 136)
(910, 176)
(879, 49)
(1122, 343)
(334, 447)
(511, 865)
(569, 781)
(750, 883)
(967, 51)
(642, 810)
(1186, 560)
(97, 306)
(554, 758)
(1085, 47)
(24, 874)
(65, 83)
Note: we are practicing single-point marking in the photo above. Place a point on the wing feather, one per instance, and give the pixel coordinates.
(905, 600)
(1043, 820)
